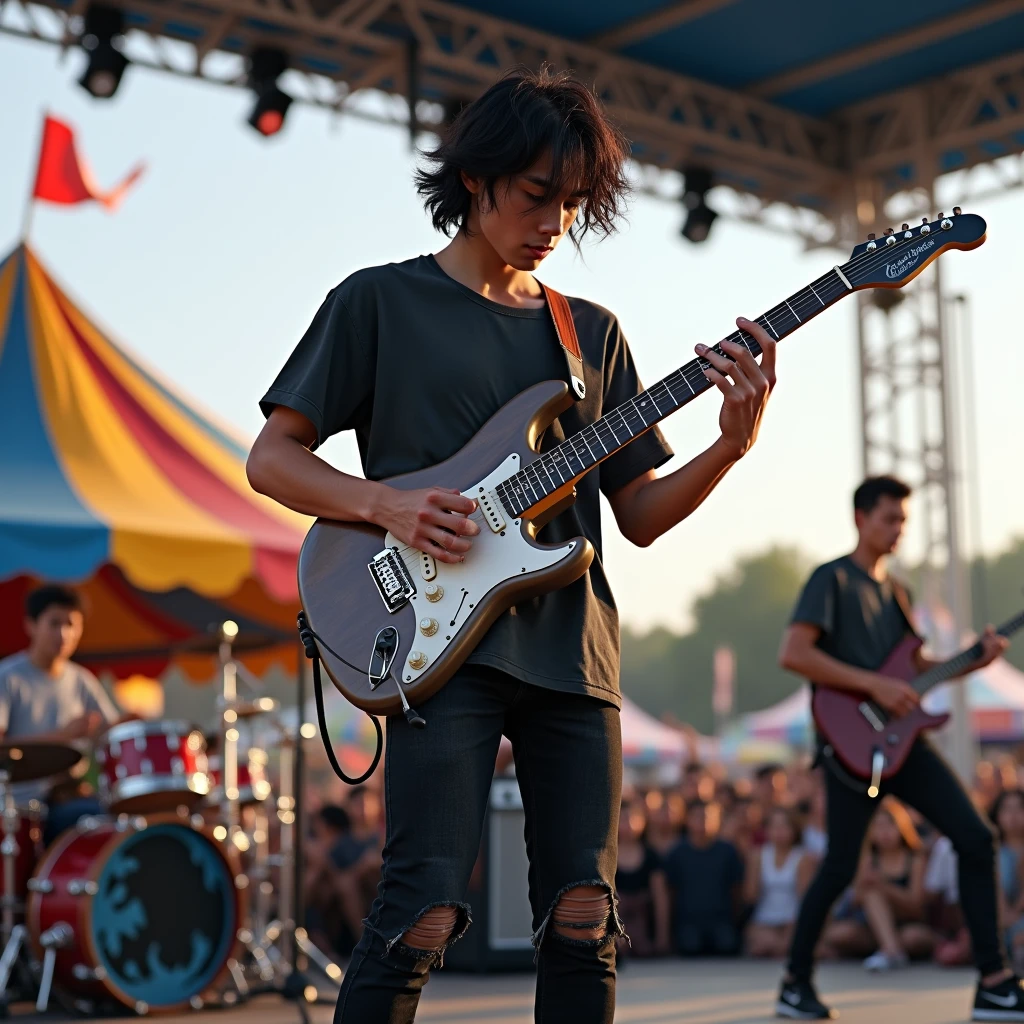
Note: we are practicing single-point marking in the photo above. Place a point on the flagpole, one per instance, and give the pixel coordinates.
(30, 202)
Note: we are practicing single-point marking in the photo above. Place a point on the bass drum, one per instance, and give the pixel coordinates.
(153, 907)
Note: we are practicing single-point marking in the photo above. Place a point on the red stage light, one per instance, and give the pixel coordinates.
(270, 122)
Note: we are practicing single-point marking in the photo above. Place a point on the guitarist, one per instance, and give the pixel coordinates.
(415, 357)
(848, 619)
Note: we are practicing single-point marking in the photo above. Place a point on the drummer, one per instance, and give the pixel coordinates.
(44, 695)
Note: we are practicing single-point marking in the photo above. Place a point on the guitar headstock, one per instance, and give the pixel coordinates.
(899, 256)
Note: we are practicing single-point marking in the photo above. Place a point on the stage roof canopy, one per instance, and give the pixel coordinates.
(798, 101)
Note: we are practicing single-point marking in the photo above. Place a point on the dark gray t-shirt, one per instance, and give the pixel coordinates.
(860, 619)
(415, 363)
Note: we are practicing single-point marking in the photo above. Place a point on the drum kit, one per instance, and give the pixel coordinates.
(164, 901)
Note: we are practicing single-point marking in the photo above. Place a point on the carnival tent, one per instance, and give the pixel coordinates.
(995, 696)
(111, 480)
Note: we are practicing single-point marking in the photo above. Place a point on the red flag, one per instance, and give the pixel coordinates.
(62, 177)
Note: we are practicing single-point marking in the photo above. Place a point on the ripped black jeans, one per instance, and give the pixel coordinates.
(568, 755)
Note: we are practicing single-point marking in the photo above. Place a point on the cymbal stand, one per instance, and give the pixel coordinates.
(229, 729)
(286, 943)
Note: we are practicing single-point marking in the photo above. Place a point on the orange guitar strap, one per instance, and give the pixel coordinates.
(565, 329)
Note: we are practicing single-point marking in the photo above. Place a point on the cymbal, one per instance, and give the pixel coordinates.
(209, 642)
(26, 760)
(249, 708)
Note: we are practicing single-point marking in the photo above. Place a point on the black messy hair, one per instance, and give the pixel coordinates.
(51, 595)
(504, 131)
(874, 488)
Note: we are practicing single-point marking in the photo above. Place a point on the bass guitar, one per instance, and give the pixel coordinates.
(866, 740)
(392, 624)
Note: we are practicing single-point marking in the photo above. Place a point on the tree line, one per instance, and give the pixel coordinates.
(747, 609)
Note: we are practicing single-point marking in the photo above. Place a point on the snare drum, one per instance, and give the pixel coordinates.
(151, 910)
(253, 786)
(149, 767)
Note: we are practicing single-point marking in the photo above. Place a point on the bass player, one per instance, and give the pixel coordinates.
(415, 357)
(847, 620)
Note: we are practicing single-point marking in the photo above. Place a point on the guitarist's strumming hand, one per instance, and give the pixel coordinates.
(896, 696)
(432, 520)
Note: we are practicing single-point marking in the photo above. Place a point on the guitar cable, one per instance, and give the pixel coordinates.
(310, 638)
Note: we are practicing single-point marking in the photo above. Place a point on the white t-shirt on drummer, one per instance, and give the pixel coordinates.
(33, 702)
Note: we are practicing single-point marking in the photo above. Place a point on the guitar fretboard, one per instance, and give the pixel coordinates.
(614, 430)
(956, 665)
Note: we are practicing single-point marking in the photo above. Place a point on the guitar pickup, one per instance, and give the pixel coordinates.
(428, 567)
(492, 510)
(394, 583)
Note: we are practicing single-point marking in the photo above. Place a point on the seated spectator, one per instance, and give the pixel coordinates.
(769, 791)
(812, 817)
(327, 827)
(697, 783)
(355, 858)
(705, 874)
(884, 910)
(1008, 816)
(640, 885)
(942, 897)
(738, 826)
(665, 814)
(777, 876)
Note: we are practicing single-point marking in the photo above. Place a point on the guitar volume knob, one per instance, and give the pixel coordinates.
(417, 659)
(433, 592)
(428, 627)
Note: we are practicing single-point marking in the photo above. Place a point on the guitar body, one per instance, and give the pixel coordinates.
(854, 735)
(344, 605)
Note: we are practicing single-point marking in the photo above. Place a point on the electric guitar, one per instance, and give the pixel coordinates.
(392, 624)
(867, 740)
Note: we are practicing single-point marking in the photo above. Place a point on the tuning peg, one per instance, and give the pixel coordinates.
(871, 237)
(924, 220)
(905, 227)
(956, 211)
(888, 231)
(890, 236)
(926, 228)
(872, 244)
(940, 216)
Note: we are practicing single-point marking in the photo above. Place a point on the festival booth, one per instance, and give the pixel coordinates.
(995, 696)
(115, 483)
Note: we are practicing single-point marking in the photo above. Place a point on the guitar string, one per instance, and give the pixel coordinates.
(692, 372)
(805, 304)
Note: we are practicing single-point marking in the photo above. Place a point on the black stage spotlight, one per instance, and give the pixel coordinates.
(101, 40)
(266, 65)
(699, 216)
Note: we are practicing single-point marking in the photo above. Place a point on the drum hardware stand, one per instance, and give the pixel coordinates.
(284, 940)
(51, 940)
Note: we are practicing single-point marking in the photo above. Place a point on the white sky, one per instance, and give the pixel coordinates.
(217, 261)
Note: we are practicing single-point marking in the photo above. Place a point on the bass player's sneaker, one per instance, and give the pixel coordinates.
(798, 1001)
(1002, 1002)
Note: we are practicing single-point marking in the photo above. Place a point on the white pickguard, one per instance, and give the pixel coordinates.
(493, 558)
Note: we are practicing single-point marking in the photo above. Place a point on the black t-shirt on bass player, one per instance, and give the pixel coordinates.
(415, 363)
(860, 619)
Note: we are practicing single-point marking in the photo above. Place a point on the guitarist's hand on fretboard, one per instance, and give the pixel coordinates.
(992, 646)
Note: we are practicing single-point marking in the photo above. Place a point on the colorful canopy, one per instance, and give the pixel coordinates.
(112, 480)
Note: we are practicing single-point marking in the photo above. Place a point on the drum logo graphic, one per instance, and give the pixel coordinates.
(164, 916)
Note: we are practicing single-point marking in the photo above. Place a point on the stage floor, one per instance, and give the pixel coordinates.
(661, 992)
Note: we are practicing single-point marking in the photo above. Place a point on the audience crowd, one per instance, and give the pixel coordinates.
(716, 866)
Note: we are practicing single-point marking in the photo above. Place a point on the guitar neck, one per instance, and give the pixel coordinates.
(568, 461)
(958, 664)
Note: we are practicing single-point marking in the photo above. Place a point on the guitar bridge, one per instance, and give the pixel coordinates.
(394, 583)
